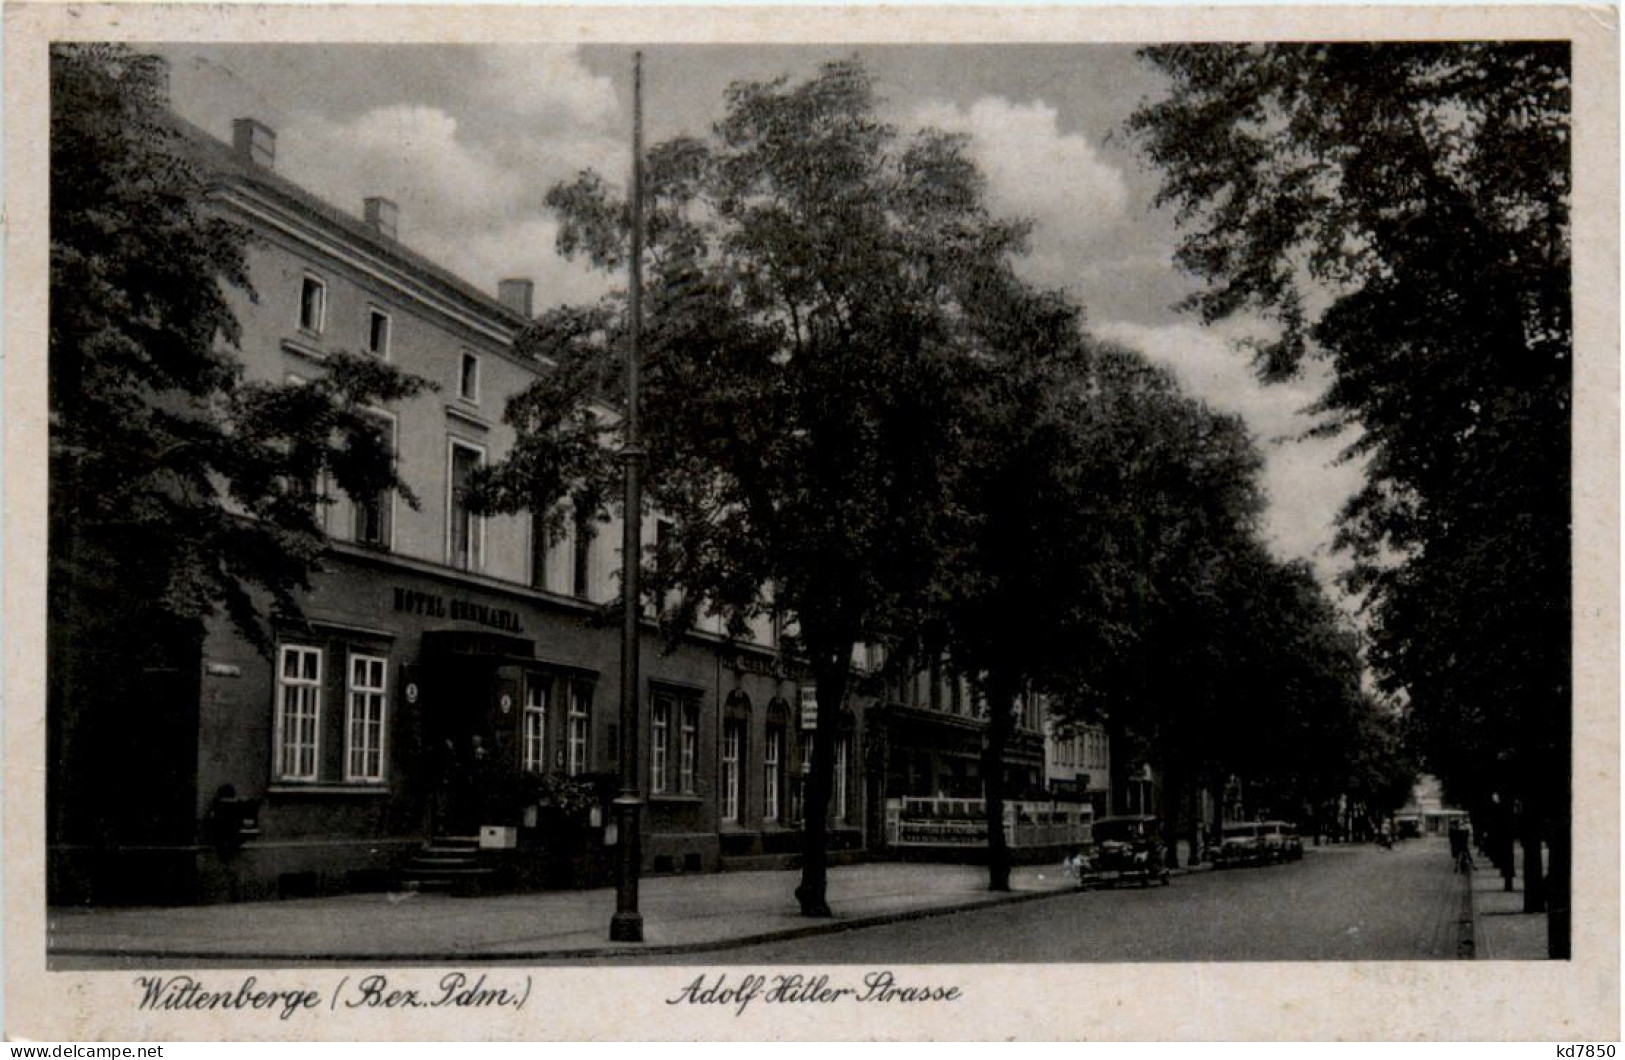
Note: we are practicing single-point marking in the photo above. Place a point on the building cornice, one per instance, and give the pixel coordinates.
(262, 210)
(528, 594)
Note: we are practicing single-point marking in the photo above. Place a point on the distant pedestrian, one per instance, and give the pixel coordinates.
(1460, 852)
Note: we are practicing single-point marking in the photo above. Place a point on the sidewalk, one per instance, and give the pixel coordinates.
(1502, 931)
(682, 914)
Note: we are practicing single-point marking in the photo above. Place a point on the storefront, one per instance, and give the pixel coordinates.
(412, 704)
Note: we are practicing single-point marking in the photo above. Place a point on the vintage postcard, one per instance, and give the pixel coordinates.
(1126, 530)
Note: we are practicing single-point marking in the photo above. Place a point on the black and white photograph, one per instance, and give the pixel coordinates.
(793, 518)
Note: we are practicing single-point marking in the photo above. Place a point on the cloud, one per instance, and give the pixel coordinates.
(411, 154)
(1210, 363)
(550, 84)
(1060, 181)
(466, 140)
(523, 249)
(1304, 480)
(469, 203)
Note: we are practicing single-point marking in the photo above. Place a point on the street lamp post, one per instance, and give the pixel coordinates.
(627, 924)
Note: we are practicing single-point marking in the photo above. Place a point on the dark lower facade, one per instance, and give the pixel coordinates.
(415, 708)
(931, 753)
(927, 754)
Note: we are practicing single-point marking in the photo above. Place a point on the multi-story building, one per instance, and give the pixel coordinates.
(933, 732)
(444, 661)
(1077, 762)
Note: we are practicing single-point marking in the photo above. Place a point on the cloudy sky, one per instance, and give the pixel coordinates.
(467, 140)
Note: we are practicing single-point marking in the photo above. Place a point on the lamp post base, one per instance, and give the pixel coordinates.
(626, 927)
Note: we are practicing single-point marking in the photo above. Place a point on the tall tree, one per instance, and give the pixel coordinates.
(1317, 733)
(1421, 191)
(178, 489)
(1188, 478)
(1035, 578)
(810, 272)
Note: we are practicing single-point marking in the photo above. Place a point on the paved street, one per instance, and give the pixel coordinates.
(1338, 903)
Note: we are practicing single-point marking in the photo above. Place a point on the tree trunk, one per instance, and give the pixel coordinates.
(1117, 769)
(1558, 881)
(1000, 702)
(1559, 823)
(1193, 825)
(1534, 876)
(831, 671)
(1173, 786)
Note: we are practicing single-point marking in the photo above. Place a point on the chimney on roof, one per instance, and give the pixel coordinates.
(517, 296)
(254, 141)
(380, 215)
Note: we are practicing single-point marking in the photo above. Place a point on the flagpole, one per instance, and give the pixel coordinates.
(627, 924)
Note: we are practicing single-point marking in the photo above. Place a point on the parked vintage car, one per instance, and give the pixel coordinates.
(1280, 841)
(1241, 844)
(1124, 849)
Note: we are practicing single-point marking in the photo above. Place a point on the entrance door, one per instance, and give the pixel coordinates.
(476, 716)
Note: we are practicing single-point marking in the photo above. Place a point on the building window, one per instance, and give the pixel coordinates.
(582, 558)
(838, 796)
(374, 515)
(533, 737)
(733, 739)
(468, 378)
(309, 492)
(671, 769)
(580, 715)
(664, 528)
(312, 305)
(688, 749)
(538, 551)
(465, 529)
(364, 751)
(659, 744)
(772, 772)
(299, 709)
(307, 489)
(377, 332)
(1029, 711)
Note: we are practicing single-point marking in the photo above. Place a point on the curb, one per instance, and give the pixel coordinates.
(627, 951)
(1467, 923)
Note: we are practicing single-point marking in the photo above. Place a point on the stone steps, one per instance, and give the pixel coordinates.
(454, 864)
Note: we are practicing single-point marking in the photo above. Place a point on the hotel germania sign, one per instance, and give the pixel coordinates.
(414, 602)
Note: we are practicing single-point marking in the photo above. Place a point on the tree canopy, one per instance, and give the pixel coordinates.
(819, 286)
(859, 417)
(178, 488)
(1402, 211)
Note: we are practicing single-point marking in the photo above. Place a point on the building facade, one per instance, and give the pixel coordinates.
(931, 733)
(447, 668)
(1078, 763)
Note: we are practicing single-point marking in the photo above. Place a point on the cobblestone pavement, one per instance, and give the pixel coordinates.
(1342, 903)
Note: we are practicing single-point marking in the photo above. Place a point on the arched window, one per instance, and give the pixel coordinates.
(735, 745)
